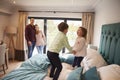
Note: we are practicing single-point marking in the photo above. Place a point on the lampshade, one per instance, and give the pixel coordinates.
(11, 30)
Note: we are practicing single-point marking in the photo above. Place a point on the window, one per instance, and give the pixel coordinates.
(52, 30)
(72, 32)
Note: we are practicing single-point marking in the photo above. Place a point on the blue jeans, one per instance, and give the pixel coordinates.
(40, 49)
(30, 49)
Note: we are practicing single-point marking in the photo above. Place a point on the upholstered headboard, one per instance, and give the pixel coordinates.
(110, 43)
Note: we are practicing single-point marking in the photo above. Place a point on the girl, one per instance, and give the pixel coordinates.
(40, 40)
(80, 46)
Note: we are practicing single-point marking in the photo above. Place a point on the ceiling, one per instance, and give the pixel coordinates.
(52, 5)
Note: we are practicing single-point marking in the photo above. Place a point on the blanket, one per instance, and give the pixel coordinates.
(34, 68)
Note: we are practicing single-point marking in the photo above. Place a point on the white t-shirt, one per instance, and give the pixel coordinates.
(80, 47)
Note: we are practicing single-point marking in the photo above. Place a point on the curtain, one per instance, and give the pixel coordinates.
(20, 41)
(88, 23)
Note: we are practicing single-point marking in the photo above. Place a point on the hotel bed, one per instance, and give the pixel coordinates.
(103, 64)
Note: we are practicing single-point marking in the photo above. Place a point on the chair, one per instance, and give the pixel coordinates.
(2, 56)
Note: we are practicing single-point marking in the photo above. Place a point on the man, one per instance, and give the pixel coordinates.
(30, 36)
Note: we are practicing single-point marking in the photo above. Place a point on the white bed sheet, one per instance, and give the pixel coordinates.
(67, 68)
(110, 72)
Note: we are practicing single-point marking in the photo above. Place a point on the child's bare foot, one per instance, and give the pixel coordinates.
(47, 78)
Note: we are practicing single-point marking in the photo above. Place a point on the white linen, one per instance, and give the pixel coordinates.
(67, 68)
(110, 72)
(92, 59)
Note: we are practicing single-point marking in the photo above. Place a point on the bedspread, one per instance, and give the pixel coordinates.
(34, 68)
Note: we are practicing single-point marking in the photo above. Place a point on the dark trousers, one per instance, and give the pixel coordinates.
(56, 64)
(77, 61)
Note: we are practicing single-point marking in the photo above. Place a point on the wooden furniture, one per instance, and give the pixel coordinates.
(6, 58)
(11, 45)
(11, 32)
(2, 56)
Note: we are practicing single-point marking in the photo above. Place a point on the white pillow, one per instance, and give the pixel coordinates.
(93, 58)
(110, 72)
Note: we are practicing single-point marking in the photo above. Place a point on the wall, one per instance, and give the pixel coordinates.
(7, 19)
(105, 13)
(5, 15)
(4, 21)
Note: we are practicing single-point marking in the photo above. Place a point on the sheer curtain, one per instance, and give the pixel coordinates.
(20, 41)
(88, 23)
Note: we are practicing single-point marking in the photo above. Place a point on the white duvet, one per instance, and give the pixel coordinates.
(110, 72)
(67, 68)
(93, 59)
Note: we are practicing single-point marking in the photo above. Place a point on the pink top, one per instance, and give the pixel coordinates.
(40, 39)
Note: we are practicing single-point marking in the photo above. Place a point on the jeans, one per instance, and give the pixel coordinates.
(40, 49)
(30, 49)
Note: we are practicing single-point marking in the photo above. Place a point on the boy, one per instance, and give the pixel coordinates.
(58, 43)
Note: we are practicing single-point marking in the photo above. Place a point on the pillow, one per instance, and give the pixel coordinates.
(75, 74)
(110, 72)
(93, 58)
(91, 74)
(69, 58)
(62, 59)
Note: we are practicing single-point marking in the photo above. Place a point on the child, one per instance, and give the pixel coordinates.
(80, 46)
(40, 40)
(59, 42)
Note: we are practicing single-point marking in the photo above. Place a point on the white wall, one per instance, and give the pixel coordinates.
(6, 11)
(108, 11)
(4, 21)
(14, 19)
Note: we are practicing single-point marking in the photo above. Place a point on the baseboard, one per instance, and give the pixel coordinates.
(20, 55)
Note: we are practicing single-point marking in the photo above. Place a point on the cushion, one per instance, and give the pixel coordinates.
(92, 59)
(75, 74)
(69, 58)
(62, 59)
(91, 74)
(110, 72)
